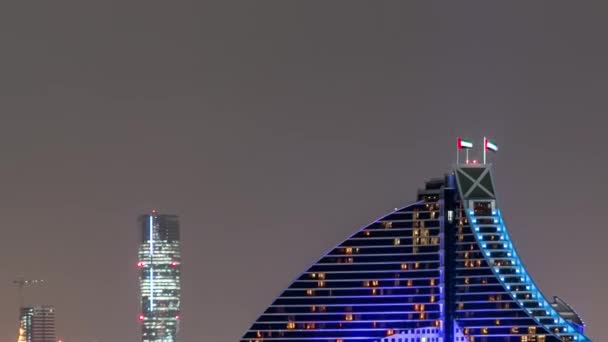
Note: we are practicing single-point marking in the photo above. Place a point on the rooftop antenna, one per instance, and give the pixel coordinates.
(21, 284)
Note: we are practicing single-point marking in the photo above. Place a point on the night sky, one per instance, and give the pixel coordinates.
(275, 129)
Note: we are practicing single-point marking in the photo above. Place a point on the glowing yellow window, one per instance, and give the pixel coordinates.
(348, 317)
(291, 325)
(397, 242)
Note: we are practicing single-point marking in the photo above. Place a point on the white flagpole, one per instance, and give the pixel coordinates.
(467, 156)
(485, 142)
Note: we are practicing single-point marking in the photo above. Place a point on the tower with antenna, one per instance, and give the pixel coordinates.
(36, 323)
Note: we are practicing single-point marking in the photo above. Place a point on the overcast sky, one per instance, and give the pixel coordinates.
(277, 128)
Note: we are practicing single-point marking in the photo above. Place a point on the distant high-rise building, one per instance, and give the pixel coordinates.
(37, 324)
(159, 277)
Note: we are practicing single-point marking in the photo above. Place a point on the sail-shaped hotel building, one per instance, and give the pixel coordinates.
(439, 270)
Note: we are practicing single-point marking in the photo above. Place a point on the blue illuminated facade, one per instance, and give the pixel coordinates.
(441, 269)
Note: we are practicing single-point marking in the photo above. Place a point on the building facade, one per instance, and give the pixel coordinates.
(37, 324)
(159, 267)
(442, 269)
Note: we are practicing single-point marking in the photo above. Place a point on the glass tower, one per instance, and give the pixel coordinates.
(159, 277)
(37, 324)
(442, 269)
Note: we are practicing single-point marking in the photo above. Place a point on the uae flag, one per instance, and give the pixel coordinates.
(464, 144)
(490, 145)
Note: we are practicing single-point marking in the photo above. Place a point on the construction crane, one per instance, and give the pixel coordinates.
(21, 284)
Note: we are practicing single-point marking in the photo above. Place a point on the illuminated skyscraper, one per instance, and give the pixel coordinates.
(159, 277)
(442, 269)
(37, 324)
